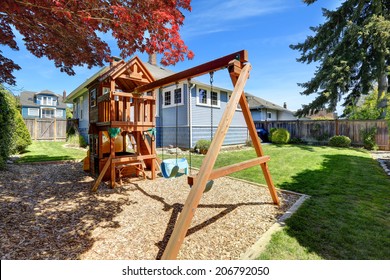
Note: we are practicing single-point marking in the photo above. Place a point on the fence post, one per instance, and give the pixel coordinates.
(35, 129)
(55, 129)
(337, 126)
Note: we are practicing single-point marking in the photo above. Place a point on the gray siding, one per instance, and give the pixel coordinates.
(201, 121)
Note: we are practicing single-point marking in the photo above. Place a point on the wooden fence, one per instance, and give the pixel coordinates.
(319, 131)
(46, 129)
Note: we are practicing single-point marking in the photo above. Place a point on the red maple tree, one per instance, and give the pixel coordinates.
(69, 31)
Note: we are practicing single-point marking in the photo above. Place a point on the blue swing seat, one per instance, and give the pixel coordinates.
(170, 167)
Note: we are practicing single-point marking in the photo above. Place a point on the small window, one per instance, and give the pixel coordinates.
(167, 98)
(178, 96)
(202, 96)
(214, 98)
(93, 97)
(173, 96)
(59, 114)
(269, 115)
(33, 111)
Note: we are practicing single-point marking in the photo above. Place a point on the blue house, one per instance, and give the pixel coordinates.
(42, 105)
(185, 112)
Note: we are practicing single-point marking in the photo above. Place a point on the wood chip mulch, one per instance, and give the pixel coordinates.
(48, 212)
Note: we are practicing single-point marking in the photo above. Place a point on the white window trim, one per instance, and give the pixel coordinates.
(172, 90)
(29, 112)
(208, 98)
(50, 109)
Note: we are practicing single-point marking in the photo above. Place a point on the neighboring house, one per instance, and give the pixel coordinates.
(263, 110)
(43, 105)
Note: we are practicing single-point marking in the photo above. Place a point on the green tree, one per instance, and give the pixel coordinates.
(6, 125)
(69, 113)
(367, 110)
(352, 49)
(14, 136)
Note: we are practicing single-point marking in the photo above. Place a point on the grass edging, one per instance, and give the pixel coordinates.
(253, 252)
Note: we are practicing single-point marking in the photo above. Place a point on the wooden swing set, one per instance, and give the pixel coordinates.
(239, 69)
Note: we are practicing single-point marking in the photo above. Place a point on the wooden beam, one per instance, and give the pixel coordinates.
(196, 192)
(205, 68)
(256, 144)
(104, 170)
(226, 170)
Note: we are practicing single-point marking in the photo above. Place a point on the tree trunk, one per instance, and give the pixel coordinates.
(383, 85)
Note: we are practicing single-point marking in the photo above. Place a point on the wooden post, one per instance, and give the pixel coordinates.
(197, 190)
(55, 129)
(35, 129)
(256, 144)
(112, 140)
(104, 170)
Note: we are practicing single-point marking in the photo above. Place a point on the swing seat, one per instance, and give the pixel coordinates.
(170, 167)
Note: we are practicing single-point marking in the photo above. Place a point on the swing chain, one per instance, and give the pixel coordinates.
(211, 104)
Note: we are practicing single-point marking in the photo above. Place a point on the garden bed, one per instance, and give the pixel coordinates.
(48, 212)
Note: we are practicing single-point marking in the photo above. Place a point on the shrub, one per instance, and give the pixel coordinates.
(369, 138)
(74, 138)
(297, 140)
(22, 136)
(203, 146)
(271, 131)
(280, 136)
(340, 141)
(14, 136)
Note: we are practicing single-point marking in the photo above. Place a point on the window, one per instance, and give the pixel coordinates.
(172, 96)
(214, 98)
(178, 96)
(47, 113)
(47, 100)
(93, 97)
(105, 90)
(33, 112)
(167, 98)
(269, 115)
(59, 114)
(204, 98)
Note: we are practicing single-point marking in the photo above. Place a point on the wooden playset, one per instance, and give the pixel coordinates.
(123, 98)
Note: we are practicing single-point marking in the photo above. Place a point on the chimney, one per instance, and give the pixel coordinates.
(114, 60)
(285, 105)
(153, 59)
(64, 95)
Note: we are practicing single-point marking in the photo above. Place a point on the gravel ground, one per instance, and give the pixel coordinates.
(48, 212)
(383, 157)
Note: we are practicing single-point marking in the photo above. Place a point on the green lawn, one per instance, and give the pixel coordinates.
(348, 214)
(40, 151)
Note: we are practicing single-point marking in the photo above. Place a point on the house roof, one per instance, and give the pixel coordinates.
(27, 98)
(255, 102)
(81, 88)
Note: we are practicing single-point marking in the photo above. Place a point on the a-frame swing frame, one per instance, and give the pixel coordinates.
(239, 68)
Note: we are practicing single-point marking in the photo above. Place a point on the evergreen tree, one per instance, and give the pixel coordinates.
(352, 48)
(14, 135)
(7, 123)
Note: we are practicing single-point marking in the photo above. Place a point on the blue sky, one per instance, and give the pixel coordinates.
(214, 29)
